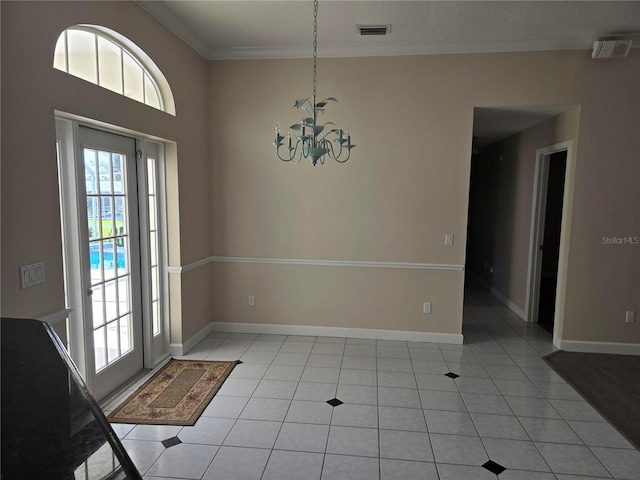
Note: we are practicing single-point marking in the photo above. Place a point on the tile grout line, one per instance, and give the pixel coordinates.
(490, 332)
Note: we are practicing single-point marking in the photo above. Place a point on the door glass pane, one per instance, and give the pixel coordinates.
(97, 304)
(99, 347)
(109, 255)
(155, 313)
(153, 241)
(93, 217)
(113, 342)
(111, 300)
(125, 334)
(123, 295)
(95, 254)
(104, 166)
(154, 282)
(152, 212)
(118, 174)
(154, 261)
(107, 261)
(106, 209)
(122, 259)
(91, 171)
(120, 216)
(151, 176)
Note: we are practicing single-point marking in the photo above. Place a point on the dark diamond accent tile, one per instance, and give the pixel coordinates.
(494, 467)
(170, 442)
(451, 375)
(334, 402)
(239, 362)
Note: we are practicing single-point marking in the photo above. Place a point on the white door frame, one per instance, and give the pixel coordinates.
(155, 349)
(70, 195)
(540, 185)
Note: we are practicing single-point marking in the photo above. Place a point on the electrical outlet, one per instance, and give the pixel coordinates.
(252, 300)
(630, 316)
(426, 307)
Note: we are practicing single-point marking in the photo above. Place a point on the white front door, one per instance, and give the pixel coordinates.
(109, 258)
(114, 236)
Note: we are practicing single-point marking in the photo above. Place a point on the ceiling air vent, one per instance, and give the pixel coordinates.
(373, 29)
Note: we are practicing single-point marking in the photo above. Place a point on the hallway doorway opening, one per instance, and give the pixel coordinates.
(546, 232)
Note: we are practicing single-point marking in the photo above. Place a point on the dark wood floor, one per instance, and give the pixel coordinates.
(611, 383)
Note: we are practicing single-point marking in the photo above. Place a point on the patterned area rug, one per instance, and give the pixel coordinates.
(176, 395)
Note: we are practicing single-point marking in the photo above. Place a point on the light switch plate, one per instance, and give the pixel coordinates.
(448, 239)
(32, 275)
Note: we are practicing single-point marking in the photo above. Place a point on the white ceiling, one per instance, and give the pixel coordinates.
(233, 29)
(491, 125)
(275, 29)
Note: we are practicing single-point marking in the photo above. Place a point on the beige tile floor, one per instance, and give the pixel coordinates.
(401, 417)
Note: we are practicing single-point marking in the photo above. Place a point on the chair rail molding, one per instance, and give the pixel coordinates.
(318, 263)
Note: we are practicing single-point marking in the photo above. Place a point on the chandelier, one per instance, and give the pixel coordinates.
(314, 142)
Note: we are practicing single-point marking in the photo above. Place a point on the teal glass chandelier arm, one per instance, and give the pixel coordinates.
(343, 142)
(290, 150)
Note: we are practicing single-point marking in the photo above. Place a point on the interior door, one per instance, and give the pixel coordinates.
(110, 258)
(546, 245)
(551, 239)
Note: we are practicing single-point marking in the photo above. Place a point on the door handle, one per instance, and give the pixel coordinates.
(541, 248)
(89, 292)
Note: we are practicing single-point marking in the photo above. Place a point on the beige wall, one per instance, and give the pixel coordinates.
(407, 185)
(403, 189)
(339, 297)
(32, 90)
(598, 282)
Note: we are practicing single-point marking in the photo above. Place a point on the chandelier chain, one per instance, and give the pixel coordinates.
(315, 49)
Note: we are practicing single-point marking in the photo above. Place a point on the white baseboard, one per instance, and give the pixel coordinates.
(176, 349)
(370, 333)
(510, 305)
(597, 347)
(500, 296)
(179, 349)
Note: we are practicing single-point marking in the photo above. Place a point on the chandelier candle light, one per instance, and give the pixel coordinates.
(313, 143)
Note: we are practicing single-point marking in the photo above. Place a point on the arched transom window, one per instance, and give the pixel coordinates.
(106, 58)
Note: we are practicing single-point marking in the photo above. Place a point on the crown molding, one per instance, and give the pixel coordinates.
(167, 18)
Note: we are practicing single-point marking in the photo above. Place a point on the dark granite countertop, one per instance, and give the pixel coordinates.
(52, 428)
